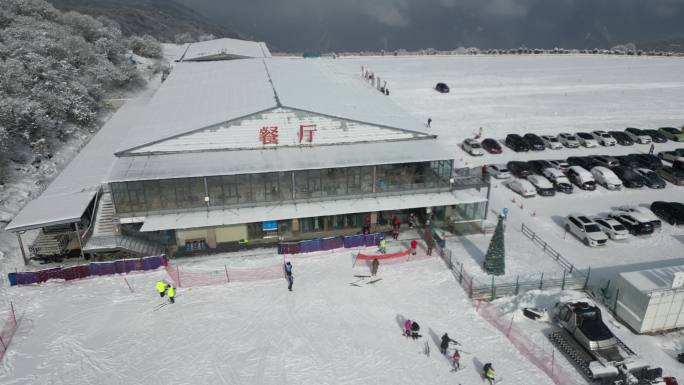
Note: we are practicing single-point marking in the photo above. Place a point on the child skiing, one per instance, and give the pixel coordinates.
(489, 373)
(407, 328)
(456, 360)
(161, 288)
(445, 343)
(382, 246)
(414, 246)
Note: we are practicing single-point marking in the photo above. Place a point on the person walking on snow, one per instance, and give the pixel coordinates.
(445, 343)
(407, 328)
(161, 288)
(171, 292)
(374, 267)
(288, 275)
(489, 373)
(414, 246)
(429, 122)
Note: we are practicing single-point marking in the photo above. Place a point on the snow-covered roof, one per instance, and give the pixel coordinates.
(173, 52)
(222, 49)
(303, 210)
(654, 279)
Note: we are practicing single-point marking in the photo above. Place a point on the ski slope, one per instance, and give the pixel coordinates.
(96, 331)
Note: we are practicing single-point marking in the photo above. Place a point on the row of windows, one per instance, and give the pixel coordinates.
(184, 193)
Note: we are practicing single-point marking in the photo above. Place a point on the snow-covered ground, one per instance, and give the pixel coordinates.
(324, 332)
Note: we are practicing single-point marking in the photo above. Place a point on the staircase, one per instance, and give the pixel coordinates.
(105, 213)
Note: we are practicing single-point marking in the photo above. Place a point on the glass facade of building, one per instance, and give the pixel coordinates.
(141, 197)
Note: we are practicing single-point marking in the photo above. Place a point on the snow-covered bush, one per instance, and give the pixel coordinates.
(146, 46)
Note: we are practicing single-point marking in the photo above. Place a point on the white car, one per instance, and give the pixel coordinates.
(614, 229)
(559, 180)
(472, 147)
(638, 136)
(498, 171)
(568, 140)
(581, 177)
(522, 187)
(560, 164)
(586, 140)
(586, 230)
(551, 142)
(606, 178)
(543, 186)
(604, 138)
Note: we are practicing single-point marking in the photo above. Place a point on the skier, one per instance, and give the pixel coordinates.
(414, 246)
(445, 343)
(407, 328)
(456, 360)
(374, 266)
(489, 373)
(382, 246)
(290, 281)
(288, 275)
(415, 328)
(171, 292)
(161, 288)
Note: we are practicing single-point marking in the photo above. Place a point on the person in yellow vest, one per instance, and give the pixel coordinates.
(161, 288)
(171, 292)
(489, 373)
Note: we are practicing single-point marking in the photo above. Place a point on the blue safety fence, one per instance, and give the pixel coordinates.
(331, 243)
(120, 266)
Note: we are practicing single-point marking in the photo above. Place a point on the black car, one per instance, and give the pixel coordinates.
(582, 161)
(627, 161)
(442, 87)
(519, 169)
(517, 143)
(670, 212)
(605, 161)
(651, 179)
(635, 225)
(656, 136)
(491, 146)
(534, 142)
(621, 138)
(538, 166)
(672, 175)
(647, 160)
(629, 178)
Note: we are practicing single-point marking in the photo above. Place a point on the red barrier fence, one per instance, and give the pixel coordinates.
(8, 331)
(398, 254)
(184, 278)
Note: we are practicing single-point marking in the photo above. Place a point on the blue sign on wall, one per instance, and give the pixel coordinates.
(269, 225)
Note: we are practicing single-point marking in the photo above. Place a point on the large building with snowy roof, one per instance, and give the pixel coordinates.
(253, 150)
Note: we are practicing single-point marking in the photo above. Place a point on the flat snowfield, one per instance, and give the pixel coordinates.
(96, 331)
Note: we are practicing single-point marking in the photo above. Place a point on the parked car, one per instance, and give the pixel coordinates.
(543, 186)
(613, 229)
(534, 142)
(634, 222)
(559, 180)
(621, 138)
(627, 161)
(672, 156)
(672, 175)
(442, 87)
(581, 178)
(629, 178)
(606, 178)
(647, 161)
(637, 135)
(670, 212)
(551, 142)
(568, 140)
(645, 213)
(498, 171)
(472, 147)
(516, 143)
(604, 138)
(538, 166)
(672, 133)
(522, 187)
(560, 164)
(586, 230)
(605, 161)
(582, 161)
(586, 139)
(519, 169)
(492, 146)
(651, 178)
(656, 136)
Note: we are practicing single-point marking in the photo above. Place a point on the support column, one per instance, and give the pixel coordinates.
(78, 236)
(294, 188)
(21, 247)
(374, 181)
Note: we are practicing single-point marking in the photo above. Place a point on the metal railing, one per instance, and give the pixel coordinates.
(562, 261)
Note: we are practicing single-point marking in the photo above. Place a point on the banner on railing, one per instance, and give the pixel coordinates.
(331, 243)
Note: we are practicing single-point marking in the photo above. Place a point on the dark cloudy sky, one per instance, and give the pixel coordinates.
(337, 25)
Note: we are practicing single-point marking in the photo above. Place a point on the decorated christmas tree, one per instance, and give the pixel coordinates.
(495, 259)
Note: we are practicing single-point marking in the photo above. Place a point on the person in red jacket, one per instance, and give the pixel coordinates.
(414, 246)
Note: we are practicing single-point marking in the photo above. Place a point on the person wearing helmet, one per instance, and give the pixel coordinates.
(161, 288)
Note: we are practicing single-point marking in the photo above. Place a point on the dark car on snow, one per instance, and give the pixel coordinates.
(635, 224)
(621, 138)
(538, 166)
(670, 212)
(627, 161)
(647, 160)
(672, 175)
(517, 143)
(651, 178)
(519, 169)
(629, 178)
(582, 161)
(656, 136)
(534, 142)
(442, 87)
(491, 146)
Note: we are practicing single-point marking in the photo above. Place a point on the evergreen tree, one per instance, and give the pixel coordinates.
(495, 259)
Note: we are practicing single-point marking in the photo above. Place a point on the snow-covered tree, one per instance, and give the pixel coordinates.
(146, 46)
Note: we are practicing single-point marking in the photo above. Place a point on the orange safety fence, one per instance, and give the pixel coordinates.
(184, 278)
(8, 331)
(398, 254)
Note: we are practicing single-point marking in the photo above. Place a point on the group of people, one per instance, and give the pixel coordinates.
(165, 288)
(411, 329)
